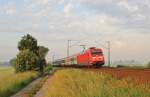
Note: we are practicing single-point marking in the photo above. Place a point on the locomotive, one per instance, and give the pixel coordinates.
(90, 57)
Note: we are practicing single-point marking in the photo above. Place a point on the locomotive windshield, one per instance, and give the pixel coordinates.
(94, 53)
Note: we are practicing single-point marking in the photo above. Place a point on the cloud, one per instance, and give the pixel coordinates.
(67, 8)
(126, 5)
(95, 2)
(41, 2)
(118, 44)
(9, 10)
(44, 16)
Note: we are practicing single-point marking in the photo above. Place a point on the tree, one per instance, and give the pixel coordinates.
(42, 52)
(13, 62)
(31, 56)
(26, 60)
(28, 42)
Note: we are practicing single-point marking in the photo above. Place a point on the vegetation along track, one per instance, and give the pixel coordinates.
(133, 74)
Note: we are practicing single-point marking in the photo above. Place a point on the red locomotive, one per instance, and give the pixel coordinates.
(90, 57)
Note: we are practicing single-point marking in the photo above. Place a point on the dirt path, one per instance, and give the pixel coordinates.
(40, 92)
(29, 89)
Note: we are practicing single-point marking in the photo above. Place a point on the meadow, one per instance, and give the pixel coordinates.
(11, 82)
(80, 83)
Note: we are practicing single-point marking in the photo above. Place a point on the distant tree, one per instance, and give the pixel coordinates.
(13, 62)
(148, 64)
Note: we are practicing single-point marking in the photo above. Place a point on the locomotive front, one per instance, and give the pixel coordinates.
(97, 57)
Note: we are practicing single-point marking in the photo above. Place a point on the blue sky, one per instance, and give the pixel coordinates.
(126, 23)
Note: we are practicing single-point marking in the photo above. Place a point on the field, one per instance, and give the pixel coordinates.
(138, 75)
(82, 83)
(11, 82)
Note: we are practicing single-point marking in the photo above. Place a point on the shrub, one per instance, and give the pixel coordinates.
(48, 68)
(148, 65)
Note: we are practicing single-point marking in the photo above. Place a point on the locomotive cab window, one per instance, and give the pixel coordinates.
(97, 53)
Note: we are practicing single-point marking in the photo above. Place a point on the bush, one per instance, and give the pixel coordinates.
(148, 65)
(48, 68)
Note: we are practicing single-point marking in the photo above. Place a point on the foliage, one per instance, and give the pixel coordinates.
(11, 82)
(42, 51)
(31, 56)
(48, 68)
(148, 65)
(27, 42)
(13, 62)
(79, 83)
(26, 60)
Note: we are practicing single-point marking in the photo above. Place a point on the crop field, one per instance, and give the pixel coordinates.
(137, 75)
(11, 82)
(81, 83)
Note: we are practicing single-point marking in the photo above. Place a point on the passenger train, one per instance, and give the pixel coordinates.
(90, 57)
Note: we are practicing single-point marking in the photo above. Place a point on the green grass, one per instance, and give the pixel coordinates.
(11, 82)
(79, 83)
(6, 69)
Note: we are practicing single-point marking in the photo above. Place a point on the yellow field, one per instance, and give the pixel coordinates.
(11, 82)
(79, 83)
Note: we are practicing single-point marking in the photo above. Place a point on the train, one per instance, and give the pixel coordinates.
(92, 57)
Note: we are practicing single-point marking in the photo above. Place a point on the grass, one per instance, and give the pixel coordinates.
(11, 82)
(79, 83)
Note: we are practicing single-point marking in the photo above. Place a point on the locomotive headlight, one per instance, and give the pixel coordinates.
(94, 57)
(100, 57)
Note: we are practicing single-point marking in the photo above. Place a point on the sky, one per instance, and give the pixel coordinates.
(125, 23)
